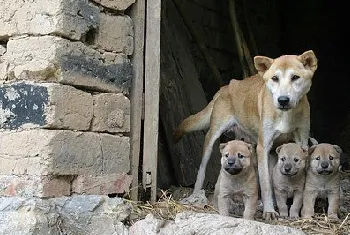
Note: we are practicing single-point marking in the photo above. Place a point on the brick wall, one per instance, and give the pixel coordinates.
(65, 76)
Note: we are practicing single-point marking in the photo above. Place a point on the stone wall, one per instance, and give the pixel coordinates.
(65, 76)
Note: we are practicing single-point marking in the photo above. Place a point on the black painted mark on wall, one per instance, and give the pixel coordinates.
(117, 74)
(21, 104)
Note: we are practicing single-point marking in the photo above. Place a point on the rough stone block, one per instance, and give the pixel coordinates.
(62, 152)
(101, 185)
(118, 5)
(77, 214)
(46, 105)
(34, 186)
(69, 18)
(115, 33)
(56, 59)
(111, 113)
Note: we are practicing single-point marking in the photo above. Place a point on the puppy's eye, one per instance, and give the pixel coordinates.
(296, 159)
(330, 157)
(240, 155)
(275, 78)
(226, 155)
(295, 77)
(283, 159)
(318, 158)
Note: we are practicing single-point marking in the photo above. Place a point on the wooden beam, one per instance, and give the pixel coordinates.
(138, 17)
(152, 78)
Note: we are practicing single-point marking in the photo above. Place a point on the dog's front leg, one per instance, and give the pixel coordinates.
(297, 204)
(265, 142)
(333, 201)
(224, 204)
(281, 199)
(250, 205)
(301, 136)
(309, 199)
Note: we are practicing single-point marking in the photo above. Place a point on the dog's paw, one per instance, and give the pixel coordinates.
(333, 217)
(270, 215)
(306, 216)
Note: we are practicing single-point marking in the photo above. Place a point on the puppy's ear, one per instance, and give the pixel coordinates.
(311, 149)
(312, 141)
(309, 60)
(338, 149)
(250, 147)
(222, 146)
(278, 149)
(262, 63)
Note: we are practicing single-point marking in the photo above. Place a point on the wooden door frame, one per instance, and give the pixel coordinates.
(145, 95)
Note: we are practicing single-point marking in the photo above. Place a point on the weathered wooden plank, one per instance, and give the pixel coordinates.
(152, 78)
(138, 16)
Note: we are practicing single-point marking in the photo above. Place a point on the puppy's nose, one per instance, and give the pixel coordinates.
(287, 167)
(231, 162)
(324, 165)
(283, 100)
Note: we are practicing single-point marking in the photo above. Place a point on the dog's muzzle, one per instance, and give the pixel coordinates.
(324, 169)
(233, 170)
(324, 172)
(284, 103)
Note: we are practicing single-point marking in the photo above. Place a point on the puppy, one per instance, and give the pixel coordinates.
(237, 179)
(288, 178)
(322, 179)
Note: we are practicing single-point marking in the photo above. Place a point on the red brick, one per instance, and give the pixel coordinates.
(34, 186)
(102, 184)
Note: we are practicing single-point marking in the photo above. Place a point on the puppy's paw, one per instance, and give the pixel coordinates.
(270, 215)
(283, 215)
(333, 217)
(306, 216)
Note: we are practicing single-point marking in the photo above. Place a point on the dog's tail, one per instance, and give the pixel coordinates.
(196, 122)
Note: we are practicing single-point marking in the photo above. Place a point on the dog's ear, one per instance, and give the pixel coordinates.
(250, 147)
(262, 63)
(222, 146)
(337, 148)
(278, 149)
(311, 149)
(309, 60)
(312, 141)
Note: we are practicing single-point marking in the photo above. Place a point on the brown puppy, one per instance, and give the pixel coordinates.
(322, 179)
(237, 179)
(270, 108)
(288, 178)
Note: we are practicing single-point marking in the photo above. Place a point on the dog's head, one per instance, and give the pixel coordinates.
(288, 77)
(235, 156)
(291, 159)
(324, 158)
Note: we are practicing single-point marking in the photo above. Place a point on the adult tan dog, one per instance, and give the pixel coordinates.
(288, 178)
(322, 179)
(270, 108)
(237, 179)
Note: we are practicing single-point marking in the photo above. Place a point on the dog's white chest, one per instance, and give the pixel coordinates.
(285, 124)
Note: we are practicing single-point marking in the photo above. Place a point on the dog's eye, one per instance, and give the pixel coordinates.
(240, 155)
(295, 77)
(296, 159)
(275, 78)
(330, 157)
(226, 155)
(283, 159)
(318, 158)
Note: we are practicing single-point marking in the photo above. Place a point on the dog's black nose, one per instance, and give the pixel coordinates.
(324, 165)
(287, 167)
(231, 162)
(283, 100)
